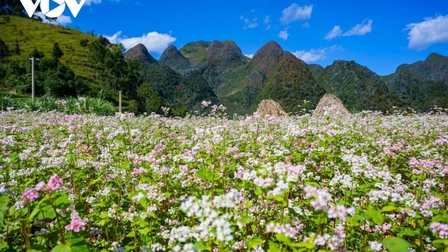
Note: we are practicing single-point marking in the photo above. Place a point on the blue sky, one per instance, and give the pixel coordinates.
(380, 35)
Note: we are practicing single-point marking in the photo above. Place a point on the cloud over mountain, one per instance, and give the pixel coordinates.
(431, 31)
(153, 41)
(61, 20)
(311, 55)
(284, 34)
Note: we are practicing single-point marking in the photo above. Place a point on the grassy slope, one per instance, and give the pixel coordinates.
(32, 34)
(196, 52)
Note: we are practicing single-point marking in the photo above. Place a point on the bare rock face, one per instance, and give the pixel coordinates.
(270, 107)
(330, 105)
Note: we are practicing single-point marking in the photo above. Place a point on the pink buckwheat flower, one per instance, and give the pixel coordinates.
(30, 194)
(54, 183)
(77, 225)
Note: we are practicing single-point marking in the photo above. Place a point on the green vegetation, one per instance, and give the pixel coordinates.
(196, 52)
(81, 105)
(72, 64)
(84, 183)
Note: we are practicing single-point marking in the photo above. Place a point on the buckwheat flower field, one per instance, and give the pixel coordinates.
(369, 182)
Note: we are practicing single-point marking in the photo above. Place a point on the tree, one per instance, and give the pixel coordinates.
(83, 42)
(4, 50)
(17, 48)
(57, 52)
(151, 98)
(37, 54)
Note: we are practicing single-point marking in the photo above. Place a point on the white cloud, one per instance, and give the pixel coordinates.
(431, 31)
(249, 55)
(153, 41)
(61, 20)
(284, 34)
(267, 21)
(89, 2)
(360, 29)
(313, 55)
(306, 25)
(335, 32)
(249, 23)
(295, 12)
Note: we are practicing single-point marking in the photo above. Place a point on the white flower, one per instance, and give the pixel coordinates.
(375, 246)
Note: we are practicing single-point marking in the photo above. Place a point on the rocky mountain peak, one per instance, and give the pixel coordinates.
(437, 58)
(225, 52)
(172, 58)
(266, 58)
(141, 53)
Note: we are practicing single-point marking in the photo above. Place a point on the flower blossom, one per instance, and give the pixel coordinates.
(54, 183)
(30, 194)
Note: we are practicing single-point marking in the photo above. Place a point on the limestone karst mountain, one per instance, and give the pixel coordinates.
(356, 86)
(422, 84)
(141, 53)
(216, 71)
(172, 58)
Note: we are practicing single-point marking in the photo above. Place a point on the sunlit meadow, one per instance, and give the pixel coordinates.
(207, 183)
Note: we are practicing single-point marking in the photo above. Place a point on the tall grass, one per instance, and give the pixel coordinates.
(80, 105)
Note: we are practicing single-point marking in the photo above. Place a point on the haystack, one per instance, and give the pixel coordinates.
(330, 105)
(270, 107)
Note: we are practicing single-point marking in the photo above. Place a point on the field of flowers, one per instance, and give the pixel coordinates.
(153, 183)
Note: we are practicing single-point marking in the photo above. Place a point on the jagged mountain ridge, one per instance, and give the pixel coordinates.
(422, 84)
(358, 87)
(174, 88)
(240, 83)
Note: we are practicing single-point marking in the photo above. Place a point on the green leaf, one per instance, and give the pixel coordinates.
(207, 174)
(282, 238)
(410, 232)
(144, 231)
(43, 205)
(201, 246)
(303, 245)
(245, 219)
(440, 243)
(375, 215)
(62, 201)
(258, 191)
(388, 208)
(76, 242)
(255, 242)
(62, 248)
(3, 244)
(395, 244)
(440, 218)
(273, 247)
(125, 165)
(4, 200)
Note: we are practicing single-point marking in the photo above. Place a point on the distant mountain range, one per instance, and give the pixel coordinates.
(240, 83)
(217, 71)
